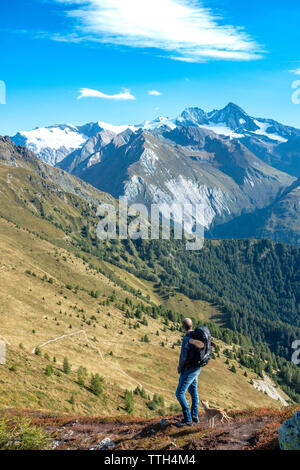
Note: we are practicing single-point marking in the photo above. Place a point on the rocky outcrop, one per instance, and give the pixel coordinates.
(289, 433)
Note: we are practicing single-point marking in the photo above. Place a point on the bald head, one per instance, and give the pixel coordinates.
(187, 324)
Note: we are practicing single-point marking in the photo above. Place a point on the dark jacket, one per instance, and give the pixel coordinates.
(185, 350)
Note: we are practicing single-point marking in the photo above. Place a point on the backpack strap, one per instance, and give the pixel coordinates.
(198, 344)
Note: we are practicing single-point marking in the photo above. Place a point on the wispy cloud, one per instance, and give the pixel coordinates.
(154, 93)
(89, 93)
(183, 29)
(296, 71)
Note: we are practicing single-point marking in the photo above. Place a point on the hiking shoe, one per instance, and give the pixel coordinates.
(181, 424)
(195, 419)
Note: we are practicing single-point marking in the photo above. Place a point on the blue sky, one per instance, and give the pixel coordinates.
(191, 53)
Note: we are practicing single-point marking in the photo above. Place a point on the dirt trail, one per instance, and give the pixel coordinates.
(5, 340)
(154, 434)
(237, 436)
(111, 364)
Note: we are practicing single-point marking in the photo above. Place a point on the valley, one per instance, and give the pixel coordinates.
(109, 320)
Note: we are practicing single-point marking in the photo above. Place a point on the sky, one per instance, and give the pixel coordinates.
(127, 61)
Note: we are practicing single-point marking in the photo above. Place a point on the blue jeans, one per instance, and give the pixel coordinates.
(188, 381)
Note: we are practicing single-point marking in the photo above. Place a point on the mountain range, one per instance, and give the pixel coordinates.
(244, 171)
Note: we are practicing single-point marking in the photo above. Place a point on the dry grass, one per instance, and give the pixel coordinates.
(33, 311)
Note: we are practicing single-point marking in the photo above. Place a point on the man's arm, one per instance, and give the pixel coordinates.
(183, 354)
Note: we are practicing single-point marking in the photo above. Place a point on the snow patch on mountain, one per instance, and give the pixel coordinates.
(190, 117)
(51, 144)
(159, 122)
(53, 137)
(148, 160)
(133, 187)
(263, 126)
(250, 181)
(221, 129)
(94, 159)
(116, 129)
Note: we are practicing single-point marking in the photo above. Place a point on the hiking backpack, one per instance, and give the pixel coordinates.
(200, 357)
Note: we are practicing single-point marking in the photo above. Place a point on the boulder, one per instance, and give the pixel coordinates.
(289, 433)
(106, 444)
(163, 423)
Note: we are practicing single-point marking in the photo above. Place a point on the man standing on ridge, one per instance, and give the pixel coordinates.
(188, 380)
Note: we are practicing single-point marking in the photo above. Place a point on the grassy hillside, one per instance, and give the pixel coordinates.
(177, 302)
(47, 295)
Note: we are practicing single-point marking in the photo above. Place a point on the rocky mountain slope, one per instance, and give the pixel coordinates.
(19, 157)
(229, 163)
(186, 165)
(280, 221)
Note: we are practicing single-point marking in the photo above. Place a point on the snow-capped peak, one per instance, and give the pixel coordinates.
(159, 122)
(54, 137)
(53, 143)
(192, 116)
(115, 129)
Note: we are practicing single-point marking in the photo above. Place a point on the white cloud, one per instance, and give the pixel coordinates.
(183, 29)
(296, 72)
(154, 93)
(88, 93)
